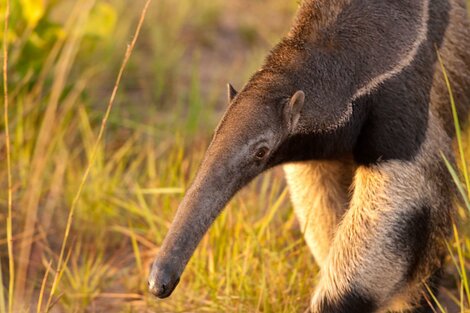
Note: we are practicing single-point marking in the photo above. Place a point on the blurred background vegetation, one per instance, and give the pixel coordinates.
(63, 59)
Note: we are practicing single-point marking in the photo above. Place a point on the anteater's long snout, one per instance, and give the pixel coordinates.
(204, 200)
(163, 280)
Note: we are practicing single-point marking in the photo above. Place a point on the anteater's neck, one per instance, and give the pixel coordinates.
(315, 16)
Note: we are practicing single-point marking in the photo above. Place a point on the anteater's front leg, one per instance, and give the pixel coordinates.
(390, 241)
(319, 193)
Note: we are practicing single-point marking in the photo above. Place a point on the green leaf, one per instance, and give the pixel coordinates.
(33, 11)
(101, 21)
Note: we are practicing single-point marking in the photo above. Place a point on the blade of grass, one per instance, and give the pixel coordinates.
(11, 262)
(457, 182)
(458, 131)
(274, 208)
(127, 55)
(44, 146)
(52, 57)
(451, 296)
(461, 299)
(462, 263)
(434, 298)
(58, 275)
(135, 248)
(43, 287)
(160, 191)
(3, 308)
(460, 186)
(139, 238)
(452, 257)
(126, 296)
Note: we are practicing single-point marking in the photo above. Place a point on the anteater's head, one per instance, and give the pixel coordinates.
(258, 121)
(333, 57)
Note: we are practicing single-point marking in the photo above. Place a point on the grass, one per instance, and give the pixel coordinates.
(76, 198)
(9, 230)
(132, 174)
(461, 246)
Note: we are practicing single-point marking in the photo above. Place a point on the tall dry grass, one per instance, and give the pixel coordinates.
(127, 55)
(93, 193)
(9, 231)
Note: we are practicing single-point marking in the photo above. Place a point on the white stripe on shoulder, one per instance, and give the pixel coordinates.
(405, 62)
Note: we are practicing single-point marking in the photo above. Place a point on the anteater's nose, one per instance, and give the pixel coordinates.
(162, 281)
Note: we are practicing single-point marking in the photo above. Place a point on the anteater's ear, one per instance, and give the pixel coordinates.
(293, 109)
(231, 92)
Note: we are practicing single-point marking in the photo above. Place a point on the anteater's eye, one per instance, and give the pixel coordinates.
(261, 153)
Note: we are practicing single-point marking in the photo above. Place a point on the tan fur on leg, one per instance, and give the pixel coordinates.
(373, 254)
(319, 192)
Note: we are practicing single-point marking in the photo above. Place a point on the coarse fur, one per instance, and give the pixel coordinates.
(353, 103)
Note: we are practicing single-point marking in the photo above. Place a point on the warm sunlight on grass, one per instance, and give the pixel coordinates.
(123, 179)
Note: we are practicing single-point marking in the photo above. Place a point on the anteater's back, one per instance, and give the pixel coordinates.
(455, 52)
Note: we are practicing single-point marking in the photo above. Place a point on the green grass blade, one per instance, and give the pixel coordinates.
(462, 262)
(135, 248)
(9, 228)
(127, 55)
(457, 182)
(458, 131)
(434, 298)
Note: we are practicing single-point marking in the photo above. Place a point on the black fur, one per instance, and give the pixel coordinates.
(352, 302)
(330, 145)
(411, 235)
(426, 305)
(389, 123)
(366, 97)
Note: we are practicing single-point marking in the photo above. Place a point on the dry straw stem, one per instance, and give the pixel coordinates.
(127, 55)
(11, 263)
(30, 203)
(43, 287)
